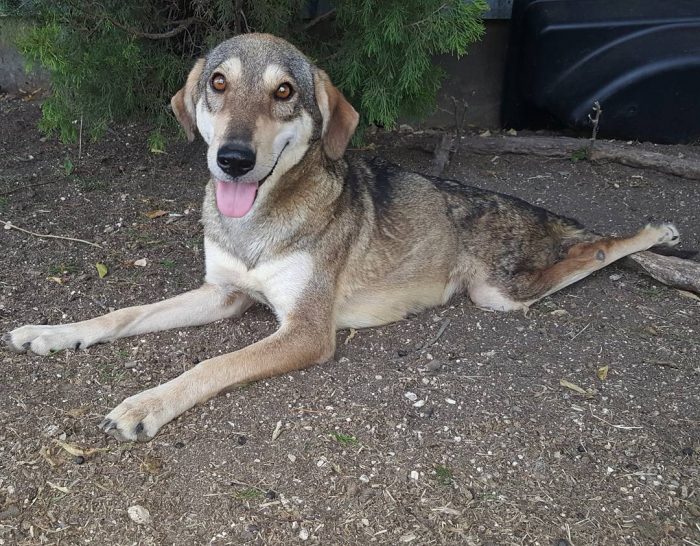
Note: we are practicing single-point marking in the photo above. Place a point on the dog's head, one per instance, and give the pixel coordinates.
(260, 104)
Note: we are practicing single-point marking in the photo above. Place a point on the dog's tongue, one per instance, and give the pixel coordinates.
(234, 198)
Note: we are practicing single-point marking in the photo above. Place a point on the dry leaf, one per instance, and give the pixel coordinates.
(603, 373)
(45, 452)
(687, 294)
(156, 213)
(352, 334)
(57, 280)
(278, 430)
(58, 487)
(152, 465)
(76, 412)
(569, 385)
(78, 451)
(101, 270)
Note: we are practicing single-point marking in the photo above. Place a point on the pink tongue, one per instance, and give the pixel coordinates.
(234, 198)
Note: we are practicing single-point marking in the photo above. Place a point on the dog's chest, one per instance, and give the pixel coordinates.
(278, 283)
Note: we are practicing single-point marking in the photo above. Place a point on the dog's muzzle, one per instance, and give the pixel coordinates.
(235, 159)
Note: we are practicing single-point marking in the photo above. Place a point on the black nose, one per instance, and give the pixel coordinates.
(235, 159)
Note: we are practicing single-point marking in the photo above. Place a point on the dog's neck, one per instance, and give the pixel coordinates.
(296, 205)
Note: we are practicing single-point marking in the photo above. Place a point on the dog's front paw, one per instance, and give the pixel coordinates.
(44, 339)
(664, 234)
(139, 417)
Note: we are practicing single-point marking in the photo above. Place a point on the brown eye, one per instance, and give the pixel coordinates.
(218, 82)
(284, 91)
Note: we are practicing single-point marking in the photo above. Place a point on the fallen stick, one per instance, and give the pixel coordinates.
(566, 147)
(669, 270)
(10, 225)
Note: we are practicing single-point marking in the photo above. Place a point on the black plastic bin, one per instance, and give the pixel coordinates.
(639, 58)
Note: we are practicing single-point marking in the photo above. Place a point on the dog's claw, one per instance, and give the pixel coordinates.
(107, 424)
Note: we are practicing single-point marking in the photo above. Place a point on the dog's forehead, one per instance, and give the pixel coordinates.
(258, 51)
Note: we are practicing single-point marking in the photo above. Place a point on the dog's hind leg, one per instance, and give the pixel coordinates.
(585, 258)
(205, 304)
(582, 259)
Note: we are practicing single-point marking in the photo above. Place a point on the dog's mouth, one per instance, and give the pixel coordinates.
(235, 199)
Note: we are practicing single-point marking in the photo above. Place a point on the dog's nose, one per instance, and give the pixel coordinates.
(235, 159)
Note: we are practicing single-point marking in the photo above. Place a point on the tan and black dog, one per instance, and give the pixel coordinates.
(326, 242)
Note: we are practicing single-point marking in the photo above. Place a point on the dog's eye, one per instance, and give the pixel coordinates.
(218, 82)
(284, 91)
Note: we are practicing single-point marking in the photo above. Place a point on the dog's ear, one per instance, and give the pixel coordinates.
(339, 117)
(183, 103)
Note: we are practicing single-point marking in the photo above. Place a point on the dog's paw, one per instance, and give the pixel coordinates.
(664, 234)
(44, 339)
(139, 417)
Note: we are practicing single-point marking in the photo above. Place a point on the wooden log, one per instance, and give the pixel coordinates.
(567, 147)
(669, 270)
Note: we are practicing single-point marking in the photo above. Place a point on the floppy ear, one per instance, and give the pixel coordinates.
(183, 103)
(339, 117)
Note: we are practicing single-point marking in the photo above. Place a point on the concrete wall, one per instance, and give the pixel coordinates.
(476, 78)
(13, 78)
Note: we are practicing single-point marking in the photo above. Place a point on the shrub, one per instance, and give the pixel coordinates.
(115, 60)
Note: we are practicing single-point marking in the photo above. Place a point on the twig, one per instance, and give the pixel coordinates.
(316, 20)
(80, 139)
(595, 120)
(581, 331)
(10, 225)
(27, 187)
(621, 427)
(437, 336)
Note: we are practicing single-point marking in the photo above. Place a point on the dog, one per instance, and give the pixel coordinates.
(327, 242)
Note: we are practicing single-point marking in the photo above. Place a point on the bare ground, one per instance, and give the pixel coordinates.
(405, 437)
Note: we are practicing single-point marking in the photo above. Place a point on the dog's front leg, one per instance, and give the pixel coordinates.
(200, 306)
(297, 344)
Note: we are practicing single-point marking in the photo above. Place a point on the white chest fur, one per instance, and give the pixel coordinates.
(278, 283)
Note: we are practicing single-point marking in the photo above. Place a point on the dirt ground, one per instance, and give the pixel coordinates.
(450, 427)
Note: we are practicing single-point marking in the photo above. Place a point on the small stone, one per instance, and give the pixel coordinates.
(131, 364)
(291, 457)
(414, 475)
(270, 494)
(434, 365)
(563, 542)
(242, 440)
(687, 451)
(139, 514)
(304, 534)
(179, 445)
(401, 353)
(419, 404)
(412, 396)
(352, 489)
(450, 401)
(79, 459)
(581, 449)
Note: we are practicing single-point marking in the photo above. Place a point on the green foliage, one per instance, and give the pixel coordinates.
(68, 166)
(579, 155)
(344, 439)
(113, 60)
(443, 475)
